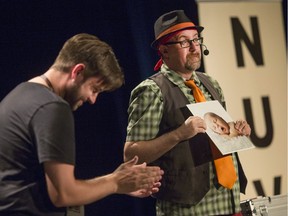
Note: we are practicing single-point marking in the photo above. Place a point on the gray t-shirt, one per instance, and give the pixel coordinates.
(36, 126)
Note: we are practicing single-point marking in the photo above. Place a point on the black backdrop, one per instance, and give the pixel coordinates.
(33, 31)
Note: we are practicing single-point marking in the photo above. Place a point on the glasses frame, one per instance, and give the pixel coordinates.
(196, 41)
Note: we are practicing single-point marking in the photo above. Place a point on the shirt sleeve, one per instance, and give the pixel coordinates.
(144, 112)
(53, 129)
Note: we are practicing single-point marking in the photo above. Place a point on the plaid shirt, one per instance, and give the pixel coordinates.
(145, 113)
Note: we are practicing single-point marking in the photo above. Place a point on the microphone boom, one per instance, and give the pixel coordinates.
(205, 51)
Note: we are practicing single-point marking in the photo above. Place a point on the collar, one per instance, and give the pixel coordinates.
(175, 77)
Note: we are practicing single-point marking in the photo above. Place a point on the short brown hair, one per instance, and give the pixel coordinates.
(97, 56)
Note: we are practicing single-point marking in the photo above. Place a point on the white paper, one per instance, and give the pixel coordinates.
(225, 143)
(75, 211)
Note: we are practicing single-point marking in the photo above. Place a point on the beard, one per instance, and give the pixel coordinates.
(193, 61)
(73, 97)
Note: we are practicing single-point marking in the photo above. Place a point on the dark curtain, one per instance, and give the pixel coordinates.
(32, 33)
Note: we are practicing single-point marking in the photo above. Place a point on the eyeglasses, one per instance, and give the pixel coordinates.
(187, 43)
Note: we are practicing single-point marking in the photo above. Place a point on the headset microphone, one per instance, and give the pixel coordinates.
(205, 51)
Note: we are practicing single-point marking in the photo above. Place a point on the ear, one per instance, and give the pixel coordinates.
(77, 70)
(163, 50)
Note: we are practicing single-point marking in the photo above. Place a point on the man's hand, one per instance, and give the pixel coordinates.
(243, 127)
(147, 192)
(191, 127)
(138, 180)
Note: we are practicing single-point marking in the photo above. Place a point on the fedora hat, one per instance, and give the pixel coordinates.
(171, 22)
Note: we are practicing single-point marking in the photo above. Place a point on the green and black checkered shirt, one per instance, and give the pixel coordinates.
(145, 113)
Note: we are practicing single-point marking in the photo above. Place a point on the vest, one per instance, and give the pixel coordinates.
(186, 179)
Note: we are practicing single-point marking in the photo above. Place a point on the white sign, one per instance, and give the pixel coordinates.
(248, 58)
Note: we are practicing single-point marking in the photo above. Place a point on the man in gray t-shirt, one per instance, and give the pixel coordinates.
(37, 141)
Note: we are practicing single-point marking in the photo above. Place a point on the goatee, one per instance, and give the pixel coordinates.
(193, 61)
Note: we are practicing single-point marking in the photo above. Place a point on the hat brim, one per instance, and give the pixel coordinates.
(154, 44)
